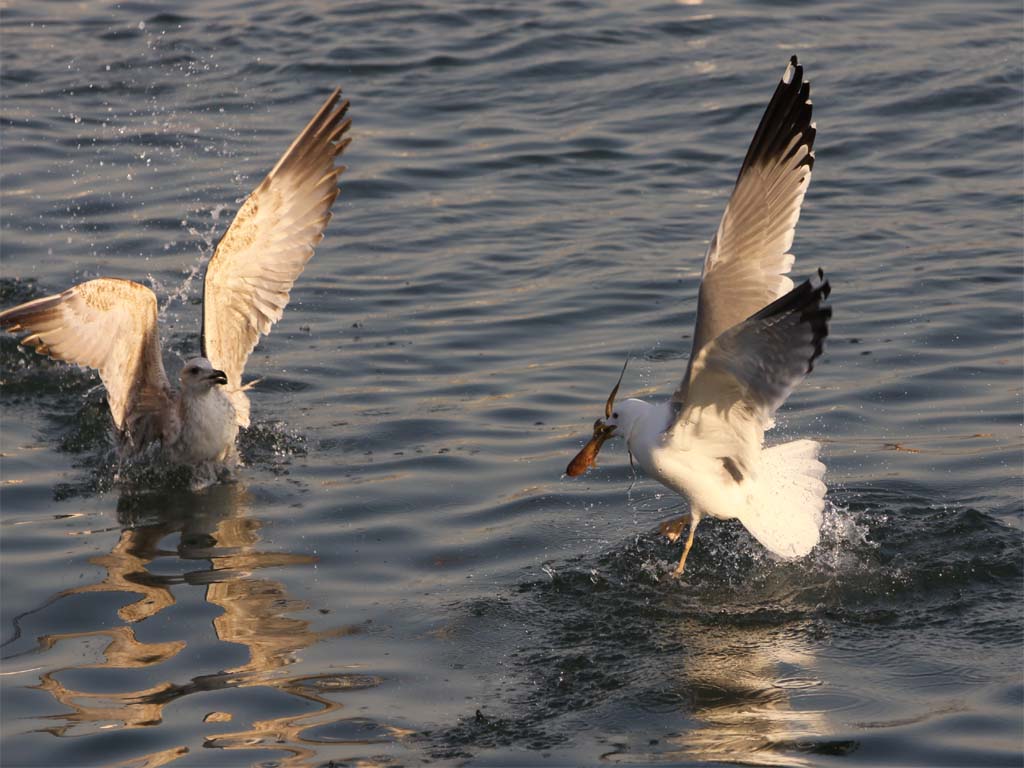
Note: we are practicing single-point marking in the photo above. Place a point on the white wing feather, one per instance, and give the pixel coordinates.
(251, 274)
(747, 262)
(741, 378)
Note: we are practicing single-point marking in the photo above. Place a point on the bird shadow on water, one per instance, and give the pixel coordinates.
(732, 662)
(178, 555)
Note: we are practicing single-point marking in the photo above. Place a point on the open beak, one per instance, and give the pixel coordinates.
(217, 377)
(587, 457)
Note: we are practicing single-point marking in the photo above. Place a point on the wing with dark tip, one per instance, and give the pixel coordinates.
(110, 325)
(748, 259)
(272, 237)
(742, 377)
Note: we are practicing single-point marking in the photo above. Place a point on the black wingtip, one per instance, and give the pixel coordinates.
(818, 316)
(788, 116)
(806, 302)
(825, 287)
(798, 299)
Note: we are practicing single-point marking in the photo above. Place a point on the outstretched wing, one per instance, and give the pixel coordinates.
(110, 325)
(748, 259)
(742, 377)
(267, 246)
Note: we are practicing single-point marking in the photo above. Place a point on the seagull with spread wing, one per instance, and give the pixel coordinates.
(757, 337)
(111, 324)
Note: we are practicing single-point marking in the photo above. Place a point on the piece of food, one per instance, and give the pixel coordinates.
(587, 457)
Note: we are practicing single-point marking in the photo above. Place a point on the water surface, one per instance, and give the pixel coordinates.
(401, 573)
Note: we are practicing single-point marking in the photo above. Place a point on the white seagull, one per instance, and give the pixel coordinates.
(756, 338)
(110, 324)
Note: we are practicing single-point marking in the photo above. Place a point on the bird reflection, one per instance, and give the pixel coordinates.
(752, 693)
(745, 692)
(212, 527)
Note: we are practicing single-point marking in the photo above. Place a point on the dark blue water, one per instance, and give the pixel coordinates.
(401, 574)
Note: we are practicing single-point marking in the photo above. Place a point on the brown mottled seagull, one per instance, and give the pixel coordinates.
(111, 325)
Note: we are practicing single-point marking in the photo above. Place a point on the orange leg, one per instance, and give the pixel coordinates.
(694, 522)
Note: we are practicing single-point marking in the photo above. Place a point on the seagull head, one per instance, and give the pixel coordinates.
(199, 375)
(604, 429)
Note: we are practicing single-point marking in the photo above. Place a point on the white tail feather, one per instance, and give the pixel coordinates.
(790, 499)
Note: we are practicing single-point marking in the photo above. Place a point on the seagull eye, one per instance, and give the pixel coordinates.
(615, 415)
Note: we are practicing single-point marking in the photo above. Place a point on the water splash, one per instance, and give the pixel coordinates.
(207, 238)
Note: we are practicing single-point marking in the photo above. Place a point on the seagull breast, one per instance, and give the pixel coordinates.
(208, 427)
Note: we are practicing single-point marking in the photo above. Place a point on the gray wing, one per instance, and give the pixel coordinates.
(110, 325)
(748, 259)
(742, 377)
(272, 237)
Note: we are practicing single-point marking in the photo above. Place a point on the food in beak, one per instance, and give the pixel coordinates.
(587, 457)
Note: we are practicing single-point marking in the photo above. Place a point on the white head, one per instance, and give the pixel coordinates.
(624, 417)
(199, 375)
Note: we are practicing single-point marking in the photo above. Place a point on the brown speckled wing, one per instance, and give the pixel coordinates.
(272, 237)
(110, 325)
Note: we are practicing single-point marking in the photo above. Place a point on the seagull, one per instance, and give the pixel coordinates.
(110, 324)
(757, 337)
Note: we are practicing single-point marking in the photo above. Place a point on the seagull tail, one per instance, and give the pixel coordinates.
(790, 499)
